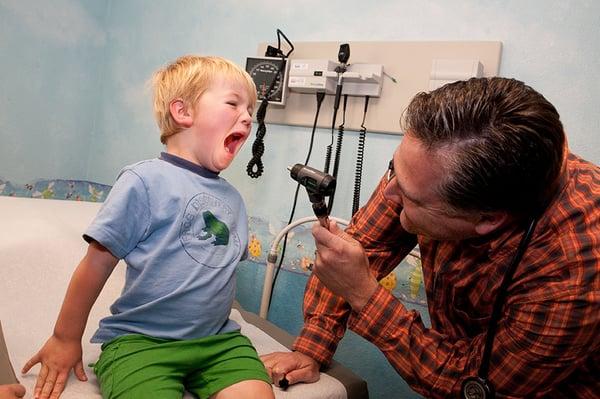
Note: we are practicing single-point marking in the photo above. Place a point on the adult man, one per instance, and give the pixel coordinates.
(481, 163)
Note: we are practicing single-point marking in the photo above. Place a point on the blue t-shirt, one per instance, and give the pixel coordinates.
(182, 230)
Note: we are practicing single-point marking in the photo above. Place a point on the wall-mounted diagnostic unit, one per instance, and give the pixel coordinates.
(311, 76)
(389, 73)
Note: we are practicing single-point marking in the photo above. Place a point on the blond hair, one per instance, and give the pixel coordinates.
(188, 78)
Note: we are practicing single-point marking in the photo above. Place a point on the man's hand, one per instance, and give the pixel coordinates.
(57, 357)
(342, 265)
(12, 391)
(294, 366)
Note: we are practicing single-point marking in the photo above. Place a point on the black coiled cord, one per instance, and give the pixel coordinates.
(359, 160)
(255, 166)
(328, 157)
(358, 175)
(338, 151)
(258, 147)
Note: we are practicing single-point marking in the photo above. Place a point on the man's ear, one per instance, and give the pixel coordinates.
(491, 221)
(181, 113)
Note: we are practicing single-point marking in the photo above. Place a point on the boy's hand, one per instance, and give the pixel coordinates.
(12, 391)
(57, 357)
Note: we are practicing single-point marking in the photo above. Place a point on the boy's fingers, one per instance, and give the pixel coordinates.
(61, 381)
(80, 372)
(48, 384)
(30, 363)
(41, 380)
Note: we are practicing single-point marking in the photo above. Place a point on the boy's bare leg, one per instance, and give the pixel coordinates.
(249, 389)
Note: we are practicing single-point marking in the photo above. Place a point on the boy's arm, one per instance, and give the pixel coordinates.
(62, 352)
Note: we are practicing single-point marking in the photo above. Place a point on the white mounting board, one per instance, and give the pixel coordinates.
(408, 62)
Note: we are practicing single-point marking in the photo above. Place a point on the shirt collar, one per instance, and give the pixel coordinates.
(185, 164)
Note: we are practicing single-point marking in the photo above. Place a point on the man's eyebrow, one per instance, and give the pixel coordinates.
(411, 197)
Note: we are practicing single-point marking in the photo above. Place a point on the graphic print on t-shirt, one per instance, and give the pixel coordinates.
(206, 231)
(214, 228)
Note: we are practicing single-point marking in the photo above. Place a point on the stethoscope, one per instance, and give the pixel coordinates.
(478, 387)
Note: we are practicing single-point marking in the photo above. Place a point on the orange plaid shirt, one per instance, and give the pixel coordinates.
(548, 338)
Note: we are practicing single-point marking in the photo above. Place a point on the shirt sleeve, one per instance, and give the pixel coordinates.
(547, 329)
(376, 227)
(124, 218)
(537, 345)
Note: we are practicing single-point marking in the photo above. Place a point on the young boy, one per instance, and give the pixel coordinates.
(181, 229)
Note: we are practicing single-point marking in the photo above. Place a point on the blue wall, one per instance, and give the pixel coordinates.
(51, 56)
(75, 103)
(73, 75)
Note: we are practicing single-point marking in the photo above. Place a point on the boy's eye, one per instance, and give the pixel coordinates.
(232, 103)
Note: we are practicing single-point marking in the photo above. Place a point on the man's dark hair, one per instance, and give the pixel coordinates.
(503, 142)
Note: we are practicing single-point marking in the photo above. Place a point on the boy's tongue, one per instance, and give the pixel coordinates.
(231, 142)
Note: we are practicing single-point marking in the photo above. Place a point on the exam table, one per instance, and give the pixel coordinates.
(41, 244)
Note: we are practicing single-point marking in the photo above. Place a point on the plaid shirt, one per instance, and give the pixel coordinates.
(548, 338)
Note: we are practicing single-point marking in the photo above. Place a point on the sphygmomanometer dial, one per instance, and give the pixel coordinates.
(264, 72)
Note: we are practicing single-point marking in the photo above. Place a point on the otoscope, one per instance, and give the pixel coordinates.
(318, 186)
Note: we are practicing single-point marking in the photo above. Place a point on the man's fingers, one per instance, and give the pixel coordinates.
(292, 366)
(18, 390)
(334, 228)
(277, 375)
(302, 375)
(268, 358)
(80, 372)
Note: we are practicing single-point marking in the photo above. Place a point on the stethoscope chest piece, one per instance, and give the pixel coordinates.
(476, 388)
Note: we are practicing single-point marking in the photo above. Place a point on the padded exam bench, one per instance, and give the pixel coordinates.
(41, 244)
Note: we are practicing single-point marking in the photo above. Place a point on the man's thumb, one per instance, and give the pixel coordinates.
(302, 375)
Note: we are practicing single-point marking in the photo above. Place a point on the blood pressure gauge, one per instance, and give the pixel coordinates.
(263, 71)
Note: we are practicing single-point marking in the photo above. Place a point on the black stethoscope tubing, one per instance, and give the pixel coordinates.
(479, 387)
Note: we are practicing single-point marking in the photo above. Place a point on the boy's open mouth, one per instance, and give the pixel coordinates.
(233, 141)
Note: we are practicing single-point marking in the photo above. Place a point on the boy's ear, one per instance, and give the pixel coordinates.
(491, 221)
(181, 113)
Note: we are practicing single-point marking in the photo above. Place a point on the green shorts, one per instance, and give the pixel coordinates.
(137, 366)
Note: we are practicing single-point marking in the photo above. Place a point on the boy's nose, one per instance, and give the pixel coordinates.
(246, 118)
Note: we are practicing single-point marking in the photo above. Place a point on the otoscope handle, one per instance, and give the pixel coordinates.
(338, 95)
